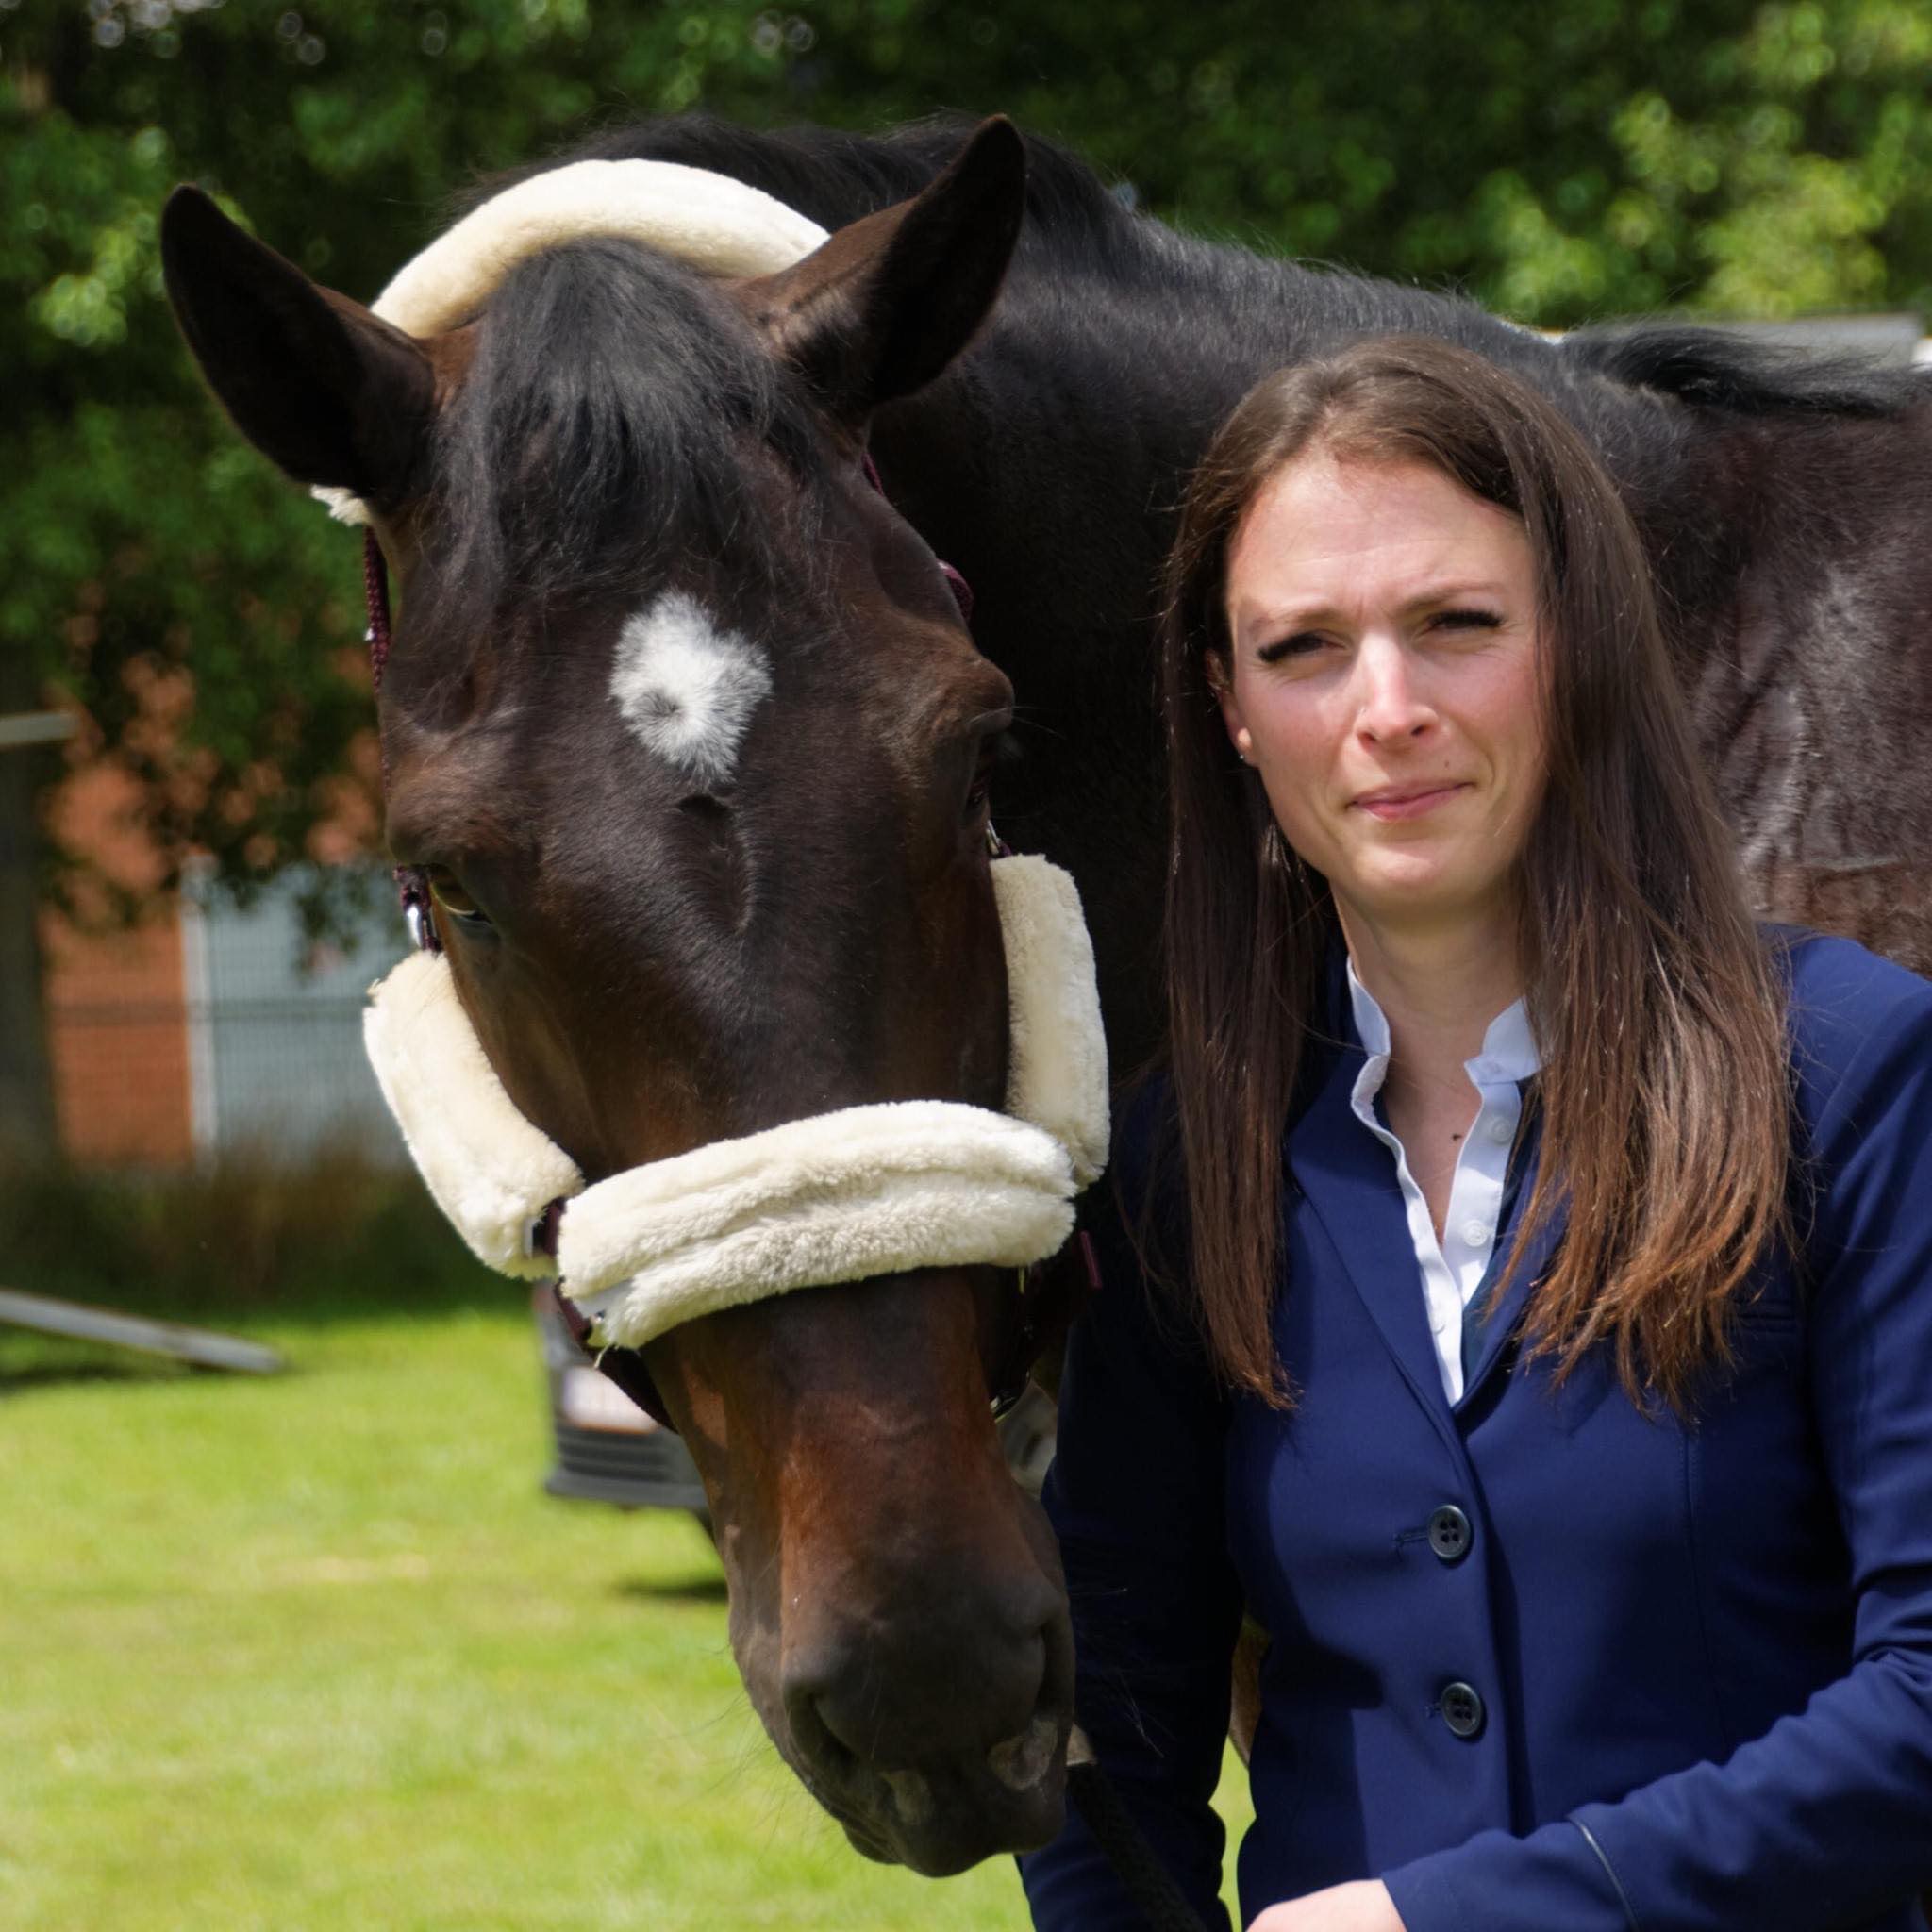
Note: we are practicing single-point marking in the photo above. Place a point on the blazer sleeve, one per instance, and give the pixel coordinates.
(1135, 1494)
(1827, 1819)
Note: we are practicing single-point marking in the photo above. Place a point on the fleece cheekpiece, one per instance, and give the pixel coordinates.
(842, 1196)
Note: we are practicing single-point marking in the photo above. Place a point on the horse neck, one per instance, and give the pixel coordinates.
(1049, 466)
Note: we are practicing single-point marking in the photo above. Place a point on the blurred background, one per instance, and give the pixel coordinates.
(316, 1650)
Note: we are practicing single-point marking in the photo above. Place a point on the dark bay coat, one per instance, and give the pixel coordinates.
(1662, 1676)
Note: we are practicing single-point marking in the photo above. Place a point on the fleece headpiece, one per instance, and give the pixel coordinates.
(716, 224)
(842, 1196)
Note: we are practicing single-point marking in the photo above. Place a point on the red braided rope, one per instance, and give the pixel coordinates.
(376, 590)
(412, 887)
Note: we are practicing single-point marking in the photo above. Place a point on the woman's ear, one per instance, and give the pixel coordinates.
(1220, 682)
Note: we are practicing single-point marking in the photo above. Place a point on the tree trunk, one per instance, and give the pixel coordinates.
(27, 1130)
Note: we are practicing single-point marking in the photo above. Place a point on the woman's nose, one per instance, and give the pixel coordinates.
(1390, 705)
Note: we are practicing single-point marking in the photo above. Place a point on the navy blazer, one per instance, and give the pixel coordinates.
(1664, 1676)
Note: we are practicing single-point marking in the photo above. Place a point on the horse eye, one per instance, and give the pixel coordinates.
(996, 748)
(452, 898)
(982, 784)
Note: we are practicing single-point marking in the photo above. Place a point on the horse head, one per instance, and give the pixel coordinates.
(683, 726)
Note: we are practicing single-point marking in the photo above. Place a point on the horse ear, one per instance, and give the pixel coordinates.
(889, 301)
(311, 379)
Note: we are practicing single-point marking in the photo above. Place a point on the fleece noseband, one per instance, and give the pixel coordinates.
(842, 1196)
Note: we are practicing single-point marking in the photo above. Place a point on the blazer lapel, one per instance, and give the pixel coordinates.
(1500, 1328)
(1348, 1180)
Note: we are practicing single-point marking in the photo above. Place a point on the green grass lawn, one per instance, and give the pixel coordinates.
(316, 1654)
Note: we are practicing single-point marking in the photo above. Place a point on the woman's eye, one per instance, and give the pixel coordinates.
(450, 895)
(1302, 645)
(1466, 620)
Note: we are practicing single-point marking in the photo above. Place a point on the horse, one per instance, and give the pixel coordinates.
(992, 360)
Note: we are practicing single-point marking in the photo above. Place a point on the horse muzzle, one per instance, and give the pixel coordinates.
(916, 1668)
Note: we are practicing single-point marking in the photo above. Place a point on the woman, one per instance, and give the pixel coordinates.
(1537, 1330)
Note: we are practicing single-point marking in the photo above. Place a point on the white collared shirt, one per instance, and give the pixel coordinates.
(1453, 1269)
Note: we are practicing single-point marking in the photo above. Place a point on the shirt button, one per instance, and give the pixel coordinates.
(1461, 1709)
(1501, 1128)
(1476, 1232)
(1450, 1534)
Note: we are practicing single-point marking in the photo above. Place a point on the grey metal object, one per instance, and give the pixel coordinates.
(27, 1091)
(1897, 339)
(37, 727)
(607, 1450)
(200, 1347)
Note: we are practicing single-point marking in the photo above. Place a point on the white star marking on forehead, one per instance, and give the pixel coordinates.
(686, 688)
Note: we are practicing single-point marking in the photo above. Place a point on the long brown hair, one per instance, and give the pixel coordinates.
(1663, 1091)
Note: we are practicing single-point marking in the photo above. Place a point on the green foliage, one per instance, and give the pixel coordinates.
(1559, 160)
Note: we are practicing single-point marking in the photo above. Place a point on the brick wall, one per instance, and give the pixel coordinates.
(117, 1027)
(118, 1037)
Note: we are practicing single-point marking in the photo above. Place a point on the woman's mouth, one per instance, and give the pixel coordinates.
(1407, 801)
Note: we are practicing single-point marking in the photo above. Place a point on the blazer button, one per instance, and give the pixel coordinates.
(1461, 1709)
(1450, 1535)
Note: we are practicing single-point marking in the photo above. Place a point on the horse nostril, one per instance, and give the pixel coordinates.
(836, 1726)
(1020, 1762)
(806, 1694)
(892, 1705)
(833, 1752)
(974, 1688)
(912, 1797)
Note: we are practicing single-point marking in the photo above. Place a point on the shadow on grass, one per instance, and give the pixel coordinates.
(673, 1589)
(17, 1377)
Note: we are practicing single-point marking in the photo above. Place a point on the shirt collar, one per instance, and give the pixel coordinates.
(1508, 1049)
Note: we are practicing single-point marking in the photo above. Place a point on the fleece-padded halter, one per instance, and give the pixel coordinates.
(843, 1196)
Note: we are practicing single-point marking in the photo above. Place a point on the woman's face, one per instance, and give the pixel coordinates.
(1383, 682)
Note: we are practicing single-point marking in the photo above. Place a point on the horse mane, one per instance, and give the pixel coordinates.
(834, 176)
(1720, 369)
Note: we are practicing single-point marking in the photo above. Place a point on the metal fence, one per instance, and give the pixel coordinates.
(274, 1025)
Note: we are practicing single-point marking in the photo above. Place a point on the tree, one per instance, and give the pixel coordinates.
(1570, 159)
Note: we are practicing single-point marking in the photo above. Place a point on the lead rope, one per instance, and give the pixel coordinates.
(1149, 1883)
(1148, 1880)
